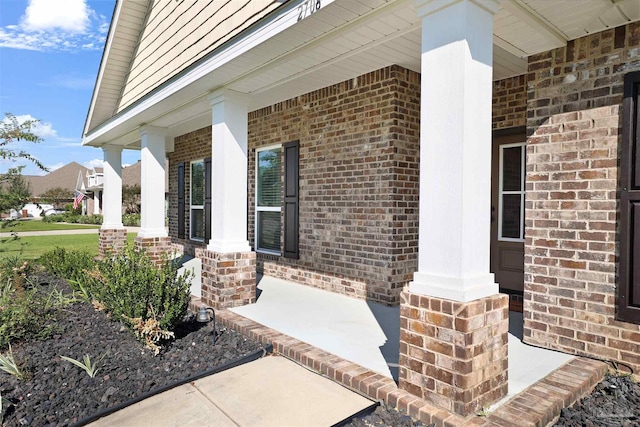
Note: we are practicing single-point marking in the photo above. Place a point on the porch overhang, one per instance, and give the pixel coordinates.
(284, 56)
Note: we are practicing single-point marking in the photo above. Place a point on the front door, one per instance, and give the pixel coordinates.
(507, 214)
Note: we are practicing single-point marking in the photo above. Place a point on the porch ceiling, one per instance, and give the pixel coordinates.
(346, 39)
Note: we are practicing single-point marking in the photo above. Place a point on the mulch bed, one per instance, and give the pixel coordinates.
(59, 393)
(614, 402)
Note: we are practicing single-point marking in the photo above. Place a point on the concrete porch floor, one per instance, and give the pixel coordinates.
(368, 333)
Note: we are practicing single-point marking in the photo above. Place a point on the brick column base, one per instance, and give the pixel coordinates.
(228, 280)
(454, 354)
(111, 240)
(155, 247)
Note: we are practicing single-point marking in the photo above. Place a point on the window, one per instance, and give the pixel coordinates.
(268, 199)
(197, 217)
(511, 193)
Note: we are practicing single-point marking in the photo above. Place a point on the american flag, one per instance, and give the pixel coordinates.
(77, 199)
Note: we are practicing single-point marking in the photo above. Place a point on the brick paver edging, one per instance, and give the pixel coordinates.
(537, 406)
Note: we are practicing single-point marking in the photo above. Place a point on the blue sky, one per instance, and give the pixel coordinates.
(50, 53)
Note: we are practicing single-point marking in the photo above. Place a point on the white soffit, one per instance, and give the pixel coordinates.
(343, 40)
(527, 27)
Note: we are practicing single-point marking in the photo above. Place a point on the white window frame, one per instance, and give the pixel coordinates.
(521, 192)
(193, 207)
(265, 208)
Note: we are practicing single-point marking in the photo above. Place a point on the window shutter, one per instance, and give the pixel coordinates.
(291, 223)
(629, 286)
(181, 207)
(207, 200)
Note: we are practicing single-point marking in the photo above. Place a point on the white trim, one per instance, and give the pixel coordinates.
(521, 192)
(192, 206)
(103, 64)
(265, 208)
(272, 26)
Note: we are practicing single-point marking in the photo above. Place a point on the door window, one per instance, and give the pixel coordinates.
(197, 200)
(511, 192)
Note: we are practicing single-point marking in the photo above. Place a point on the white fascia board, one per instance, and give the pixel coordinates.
(272, 26)
(103, 64)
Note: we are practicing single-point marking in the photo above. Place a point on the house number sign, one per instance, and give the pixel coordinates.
(307, 8)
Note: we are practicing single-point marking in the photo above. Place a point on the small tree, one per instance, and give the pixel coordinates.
(14, 193)
(131, 198)
(14, 190)
(57, 196)
(12, 131)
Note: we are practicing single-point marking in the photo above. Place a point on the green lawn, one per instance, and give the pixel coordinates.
(38, 225)
(33, 247)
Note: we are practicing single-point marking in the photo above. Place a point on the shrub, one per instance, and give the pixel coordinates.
(68, 208)
(69, 265)
(16, 270)
(74, 218)
(131, 220)
(130, 285)
(24, 313)
(25, 310)
(89, 219)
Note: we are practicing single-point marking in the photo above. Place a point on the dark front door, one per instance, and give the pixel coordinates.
(507, 213)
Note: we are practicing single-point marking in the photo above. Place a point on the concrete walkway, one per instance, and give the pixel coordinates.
(272, 391)
(64, 232)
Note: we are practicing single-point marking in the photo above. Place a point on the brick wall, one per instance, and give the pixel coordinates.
(192, 146)
(359, 143)
(573, 151)
(509, 108)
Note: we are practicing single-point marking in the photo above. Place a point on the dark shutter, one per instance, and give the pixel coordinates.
(629, 286)
(207, 200)
(291, 224)
(181, 200)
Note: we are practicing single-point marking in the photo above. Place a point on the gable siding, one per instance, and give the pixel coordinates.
(177, 34)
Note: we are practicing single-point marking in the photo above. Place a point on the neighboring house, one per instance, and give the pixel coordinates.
(91, 185)
(428, 154)
(64, 177)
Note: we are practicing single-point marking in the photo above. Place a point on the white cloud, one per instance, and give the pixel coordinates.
(67, 15)
(63, 25)
(94, 163)
(42, 129)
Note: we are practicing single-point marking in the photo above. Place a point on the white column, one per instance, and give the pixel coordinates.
(229, 172)
(455, 149)
(152, 181)
(96, 202)
(112, 197)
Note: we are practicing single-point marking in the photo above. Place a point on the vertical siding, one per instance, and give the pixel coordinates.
(178, 33)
